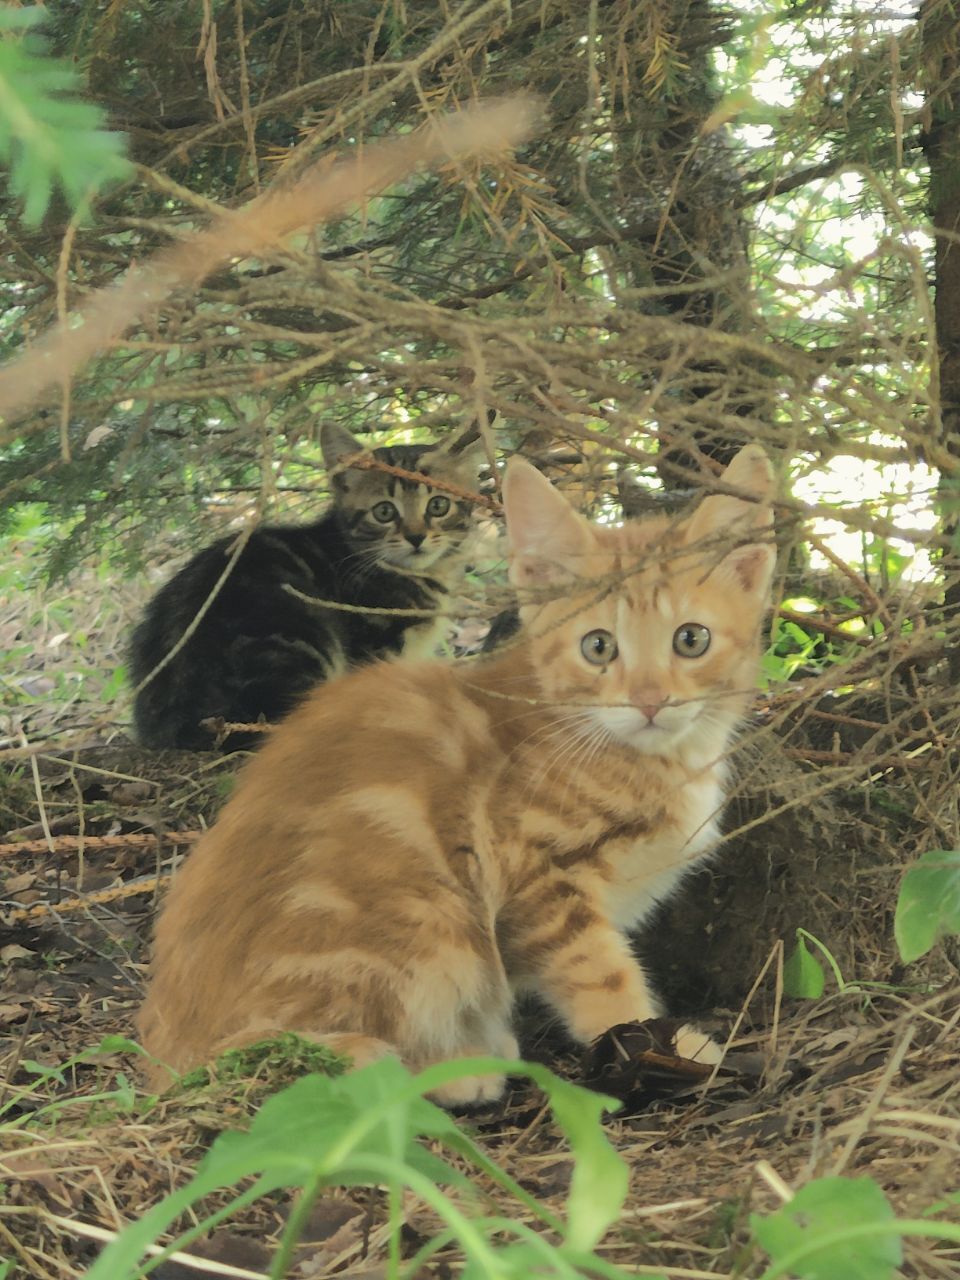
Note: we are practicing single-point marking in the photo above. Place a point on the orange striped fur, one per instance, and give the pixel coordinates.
(418, 843)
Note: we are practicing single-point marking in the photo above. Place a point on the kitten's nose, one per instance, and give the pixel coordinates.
(415, 540)
(650, 701)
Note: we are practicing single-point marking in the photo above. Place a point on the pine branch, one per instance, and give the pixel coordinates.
(47, 137)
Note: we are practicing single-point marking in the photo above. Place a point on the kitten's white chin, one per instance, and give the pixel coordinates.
(631, 727)
(407, 558)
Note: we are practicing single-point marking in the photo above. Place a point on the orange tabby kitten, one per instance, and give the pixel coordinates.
(417, 844)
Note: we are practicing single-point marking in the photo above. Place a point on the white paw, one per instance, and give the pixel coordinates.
(469, 1091)
(697, 1046)
(505, 1046)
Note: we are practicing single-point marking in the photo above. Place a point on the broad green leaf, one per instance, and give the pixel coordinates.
(600, 1178)
(803, 973)
(322, 1124)
(928, 907)
(824, 1208)
(598, 1186)
(118, 1044)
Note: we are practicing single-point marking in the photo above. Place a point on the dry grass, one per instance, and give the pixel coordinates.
(861, 1082)
(850, 1087)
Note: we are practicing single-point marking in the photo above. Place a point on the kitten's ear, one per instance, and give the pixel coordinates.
(750, 470)
(750, 564)
(336, 443)
(548, 539)
(468, 448)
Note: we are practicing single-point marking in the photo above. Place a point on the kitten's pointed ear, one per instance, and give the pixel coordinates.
(750, 564)
(468, 447)
(548, 539)
(750, 470)
(336, 443)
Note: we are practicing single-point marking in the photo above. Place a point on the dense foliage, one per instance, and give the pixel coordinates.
(721, 231)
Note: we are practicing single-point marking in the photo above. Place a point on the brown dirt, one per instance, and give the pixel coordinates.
(858, 1082)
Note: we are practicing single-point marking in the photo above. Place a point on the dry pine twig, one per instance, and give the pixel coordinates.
(70, 844)
(325, 190)
(46, 910)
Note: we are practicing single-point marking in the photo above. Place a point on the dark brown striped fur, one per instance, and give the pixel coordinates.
(251, 646)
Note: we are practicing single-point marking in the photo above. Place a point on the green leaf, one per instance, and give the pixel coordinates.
(42, 1071)
(928, 907)
(118, 1044)
(600, 1178)
(823, 1208)
(939, 1206)
(324, 1126)
(332, 1128)
(47, 138)
(803, 974)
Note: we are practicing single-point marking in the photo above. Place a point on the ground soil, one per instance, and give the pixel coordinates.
(863, 1081)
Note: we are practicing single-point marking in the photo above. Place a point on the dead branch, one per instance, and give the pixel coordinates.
(329, 187)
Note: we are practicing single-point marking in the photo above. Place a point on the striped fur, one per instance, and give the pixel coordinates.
(258, 647)
(419, 843)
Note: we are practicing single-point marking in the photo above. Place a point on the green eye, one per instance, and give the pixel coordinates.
(438, 505)
(599, 647)
(384, 512)
(692, 640)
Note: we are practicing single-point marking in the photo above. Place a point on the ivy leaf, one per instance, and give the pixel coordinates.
(803, 974)
(823, 1209)
(928, 907)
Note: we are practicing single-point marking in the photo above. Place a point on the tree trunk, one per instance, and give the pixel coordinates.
(940, 33)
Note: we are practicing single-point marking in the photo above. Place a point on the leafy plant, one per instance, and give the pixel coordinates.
(807, 1234)
(120, 1098)
(364, 1129)
(802, 972)
(803, 975)
(840, 1229)
(792, 649)
(46, 136)
(928, 906)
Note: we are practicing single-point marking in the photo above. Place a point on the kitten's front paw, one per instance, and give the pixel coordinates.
(470, 1091)
(698, 1046)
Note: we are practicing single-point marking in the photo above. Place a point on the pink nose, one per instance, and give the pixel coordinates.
(650, 702)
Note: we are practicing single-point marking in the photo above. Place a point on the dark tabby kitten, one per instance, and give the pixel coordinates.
(385, 543)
